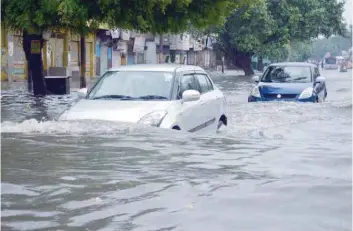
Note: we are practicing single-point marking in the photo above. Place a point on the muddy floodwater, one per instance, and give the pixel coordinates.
(277, 166)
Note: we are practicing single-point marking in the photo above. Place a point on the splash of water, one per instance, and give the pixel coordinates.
(67, 127)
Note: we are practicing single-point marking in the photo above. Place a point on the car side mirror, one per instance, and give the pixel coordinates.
(256, 78)
(82, 92)
(320, 79)
(190, 95)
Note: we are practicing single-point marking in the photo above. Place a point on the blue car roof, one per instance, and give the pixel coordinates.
(294, 64)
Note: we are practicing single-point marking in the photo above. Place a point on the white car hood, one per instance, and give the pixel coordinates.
(113, 110)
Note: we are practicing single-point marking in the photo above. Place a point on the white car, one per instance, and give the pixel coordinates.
(181, 97)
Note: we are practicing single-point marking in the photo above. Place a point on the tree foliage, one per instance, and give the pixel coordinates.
(300, 51)
(317, 48)
(83, 16)
(164, 16)
(159, 16)
(335, 45)
(277, 52)
(22, 15)
(272, 24)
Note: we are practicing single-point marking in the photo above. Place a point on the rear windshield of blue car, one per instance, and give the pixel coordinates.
(330, 60)
(287, 74)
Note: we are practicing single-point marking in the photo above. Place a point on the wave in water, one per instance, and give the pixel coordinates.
(343, 105)
(71, 127)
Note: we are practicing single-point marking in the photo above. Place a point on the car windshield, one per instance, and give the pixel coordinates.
(133, 85)
(287, 74)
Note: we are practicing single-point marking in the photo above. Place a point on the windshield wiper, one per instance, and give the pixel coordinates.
(299, 78)
(122, 97)
(147, 97)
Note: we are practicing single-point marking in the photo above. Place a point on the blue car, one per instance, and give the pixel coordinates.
(289, 81)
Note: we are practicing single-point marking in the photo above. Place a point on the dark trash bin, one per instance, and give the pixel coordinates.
(58, 85)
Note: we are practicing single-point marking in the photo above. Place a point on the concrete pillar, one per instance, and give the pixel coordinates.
(161, 56)
(66, 49)
(52, 52)
(45, 57)
(4, 53)
(92, 55)
(123, 59)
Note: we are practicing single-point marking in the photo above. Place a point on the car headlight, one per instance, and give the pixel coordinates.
(255, 92)
(307, 93)
(153, 119)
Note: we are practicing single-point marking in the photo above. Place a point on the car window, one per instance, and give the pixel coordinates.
(187, 83)
(287, 74)
(268, 69)
(210, 84)
(205, 85)
(134, 84)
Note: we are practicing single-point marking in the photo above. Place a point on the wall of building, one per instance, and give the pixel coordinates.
(13, 61)
(62, 52)
(116, 59)
(60, 55)
(151, 53)
(3, 53)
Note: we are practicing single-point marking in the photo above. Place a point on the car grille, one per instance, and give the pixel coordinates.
(283, 96)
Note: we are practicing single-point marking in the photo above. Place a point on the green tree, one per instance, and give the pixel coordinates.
(161, 16)
(316, 49)
(31, 18)
(335, 45)
(300, 51)
(270, 24)
(157, 16)
(277, 53)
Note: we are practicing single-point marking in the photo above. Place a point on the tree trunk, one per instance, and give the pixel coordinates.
(32, 47)
(222, 65)
(29, 77)
(83, 61)
(243, 60)
(260, 64)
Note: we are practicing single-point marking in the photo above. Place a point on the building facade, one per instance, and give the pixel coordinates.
(105, 49)
(60, 54)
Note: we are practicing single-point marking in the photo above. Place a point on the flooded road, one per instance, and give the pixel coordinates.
(277, 166)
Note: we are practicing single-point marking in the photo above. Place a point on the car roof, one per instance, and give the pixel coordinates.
(157, 67)
(294, 64)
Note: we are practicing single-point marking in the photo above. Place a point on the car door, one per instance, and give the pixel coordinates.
(219, 99)
(209, 100)
(190, 112)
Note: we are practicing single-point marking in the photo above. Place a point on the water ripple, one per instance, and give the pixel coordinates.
(277, 166)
